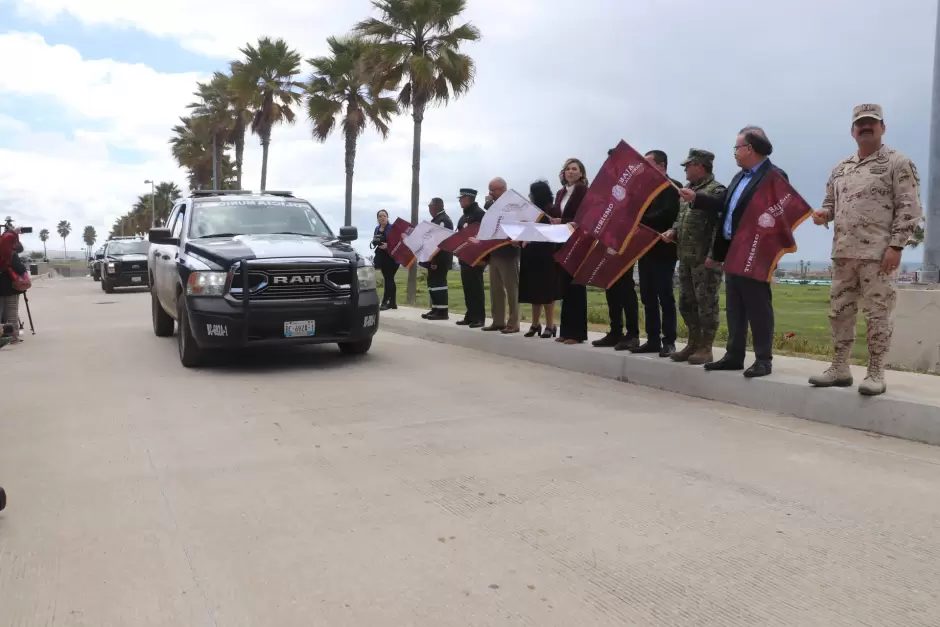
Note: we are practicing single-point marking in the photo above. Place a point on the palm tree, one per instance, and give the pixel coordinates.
(89, 236)
(64, 229)
(265, 81)
(215, 108)
(343, 86)
(191, 145)
(420, 45)
(167, 195)
(44, 237)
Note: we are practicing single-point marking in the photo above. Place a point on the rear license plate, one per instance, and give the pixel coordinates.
(300, 328)
(135, 279)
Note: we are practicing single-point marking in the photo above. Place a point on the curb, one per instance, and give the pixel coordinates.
(781, 393)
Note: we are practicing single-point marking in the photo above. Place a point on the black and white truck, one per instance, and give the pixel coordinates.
(234, 269)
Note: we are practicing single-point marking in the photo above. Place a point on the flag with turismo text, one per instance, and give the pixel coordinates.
(619, 196)
(397, 249)
(765, 232)
(575, 250)
(602, 267)
(465, 245)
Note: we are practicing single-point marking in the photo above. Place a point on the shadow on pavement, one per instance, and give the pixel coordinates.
(287, 358)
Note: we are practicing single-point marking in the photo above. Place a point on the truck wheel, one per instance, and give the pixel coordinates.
(190, 353)
(162, 321)
(356, 348)
(3, 499)
(107, 287)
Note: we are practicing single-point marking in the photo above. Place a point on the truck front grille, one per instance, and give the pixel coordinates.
(294, 283)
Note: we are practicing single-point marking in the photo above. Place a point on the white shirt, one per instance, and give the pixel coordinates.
(564, 199)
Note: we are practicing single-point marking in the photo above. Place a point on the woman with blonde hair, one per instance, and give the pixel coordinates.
(574, 183)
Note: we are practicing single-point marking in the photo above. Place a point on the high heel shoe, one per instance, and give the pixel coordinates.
(550, 332)
(534, 330)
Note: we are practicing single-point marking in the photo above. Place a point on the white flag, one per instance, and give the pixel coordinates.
(510, 207)
(425, 239)
(528, 232)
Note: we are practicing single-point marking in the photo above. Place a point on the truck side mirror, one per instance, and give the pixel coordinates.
(348, 233)
(162, 236)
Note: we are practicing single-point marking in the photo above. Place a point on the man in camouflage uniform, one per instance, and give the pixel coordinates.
(873, 197)
(699, 285)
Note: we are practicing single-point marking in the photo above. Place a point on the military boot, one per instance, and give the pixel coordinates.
(838, 375)
(703, 352)
(874, 383)
(689, 349)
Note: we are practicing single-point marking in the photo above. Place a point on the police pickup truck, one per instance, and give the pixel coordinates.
(235, 269)
(123, 263)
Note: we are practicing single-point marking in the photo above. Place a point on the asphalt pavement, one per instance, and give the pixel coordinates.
(427, 485)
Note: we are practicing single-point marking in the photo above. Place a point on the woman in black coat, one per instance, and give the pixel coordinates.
(384, 262)
(10, 298)
(574, 297)
(538, 271)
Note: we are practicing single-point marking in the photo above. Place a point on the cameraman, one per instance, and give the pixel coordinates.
(12, 273)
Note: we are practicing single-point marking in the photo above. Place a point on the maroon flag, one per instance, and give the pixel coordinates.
(396, 247)
(604, 266)
(574, 251)
(619, 196)
(471, 252)
(765, 232)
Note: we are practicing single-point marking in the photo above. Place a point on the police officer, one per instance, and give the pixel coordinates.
(699, 285)
(470, 276)
(873, 197)
(439, 265)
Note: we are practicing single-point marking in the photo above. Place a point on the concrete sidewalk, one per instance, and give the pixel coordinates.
(910, 409)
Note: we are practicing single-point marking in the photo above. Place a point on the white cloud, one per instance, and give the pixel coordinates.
(554, 80)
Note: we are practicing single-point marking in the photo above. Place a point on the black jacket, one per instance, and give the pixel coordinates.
(6, 280)
(719, 206)
(443, 258)
(472, 214)
(660, 216)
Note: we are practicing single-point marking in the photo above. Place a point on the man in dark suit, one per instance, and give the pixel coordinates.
(439, 265)
(472, 276)
(746, 300)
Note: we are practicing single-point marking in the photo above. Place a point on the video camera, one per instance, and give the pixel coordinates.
(8, 225)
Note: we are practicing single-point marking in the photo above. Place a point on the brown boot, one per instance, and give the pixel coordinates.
(703, 353)
(874, 384)
(689, 349)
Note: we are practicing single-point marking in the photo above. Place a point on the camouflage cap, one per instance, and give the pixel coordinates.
(867, 111)
(697, 155)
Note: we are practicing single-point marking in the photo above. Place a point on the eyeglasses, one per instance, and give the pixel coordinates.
(738, 146)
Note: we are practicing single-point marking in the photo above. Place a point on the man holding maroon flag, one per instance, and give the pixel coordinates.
(747, 292)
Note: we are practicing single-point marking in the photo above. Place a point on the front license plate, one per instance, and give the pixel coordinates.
(300, 328)
(135, 279)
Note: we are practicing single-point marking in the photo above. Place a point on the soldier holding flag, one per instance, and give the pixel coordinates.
(472, 276)
(438, 266)
(699, 284)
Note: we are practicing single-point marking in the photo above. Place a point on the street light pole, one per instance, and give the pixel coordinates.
(153, 209)
(932, 213)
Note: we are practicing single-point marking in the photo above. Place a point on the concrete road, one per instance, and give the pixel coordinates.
(432, 486)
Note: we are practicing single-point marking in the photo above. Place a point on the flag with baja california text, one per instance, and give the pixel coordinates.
(765, 232)
(602, 267)
(397, 249)
(619, 196)
(465, 245)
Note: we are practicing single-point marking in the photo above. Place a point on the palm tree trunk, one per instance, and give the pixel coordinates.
(45, 255)
(239, 154)
(418, 115)
(215, 162)
(350, 165)
(65, 250)
(265, 143)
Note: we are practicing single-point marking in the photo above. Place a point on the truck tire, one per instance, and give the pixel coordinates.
(356, 348)
(107, 287)
(190, 353)
(162, 321)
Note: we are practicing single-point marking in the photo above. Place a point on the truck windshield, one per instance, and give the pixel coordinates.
(225, 218)
(129, 248)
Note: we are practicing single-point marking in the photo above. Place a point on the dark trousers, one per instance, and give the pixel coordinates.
(475, 297)
(656, 292)
(437, 289)
(574, 318)
(622, 304)
(749, 301)
(389, 270)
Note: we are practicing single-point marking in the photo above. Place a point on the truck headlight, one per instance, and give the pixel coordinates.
(111, 269)
(206, 283)
(366, 276)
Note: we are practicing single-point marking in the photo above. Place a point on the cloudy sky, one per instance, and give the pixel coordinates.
(90, 88)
